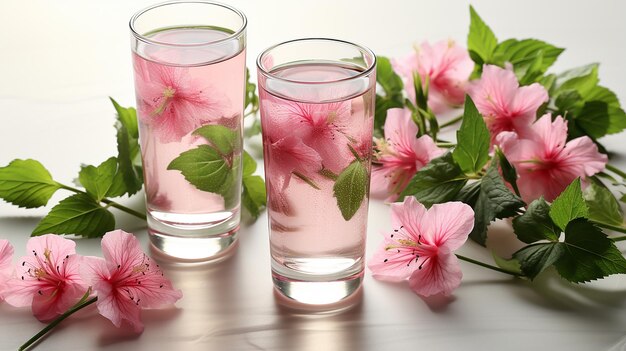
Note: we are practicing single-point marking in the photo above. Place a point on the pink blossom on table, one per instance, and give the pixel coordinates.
(6, 267)
(288, 153)
(505, 106)
(47, 278)
(421, 246)
(546, 162)
(400, 154)
(446, 65)
(171, 102)
(127, 280)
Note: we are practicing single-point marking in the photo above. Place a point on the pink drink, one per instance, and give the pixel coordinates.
(312, 134)
(179, 90)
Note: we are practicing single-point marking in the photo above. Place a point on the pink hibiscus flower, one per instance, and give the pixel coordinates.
(286, 153)
(421, 246)
(6, 268)
(447, 67)
(171, 102)
(126, 280)
(546, 162)
(505, 106)
(400, 155)
(48, 278)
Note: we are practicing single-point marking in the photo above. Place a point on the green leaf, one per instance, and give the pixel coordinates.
(589, 254)
(128, 152)
(472, 150)
(253, 197)
(508, 171)
(387, 78)
(524, 53)
(532, 72)
(439, 181)
(569, 205)
(535, 224)
(600, 93)
(535, 258)
(99, 181)
(251, 99)
(582, 79)
(26, 183)
(603, 206)
(597, 119)
(481, 42)
(350, 188)
(224, 139)
(511, 265)
(567, 100)
(78, 214)
(495, 201)
(204, 167)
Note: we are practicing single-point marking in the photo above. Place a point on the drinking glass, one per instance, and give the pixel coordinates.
(317, 111)
(189, 69)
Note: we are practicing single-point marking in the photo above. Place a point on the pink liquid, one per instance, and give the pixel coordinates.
(179, 90)
(308, 234)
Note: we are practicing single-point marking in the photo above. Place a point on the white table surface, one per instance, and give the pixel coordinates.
(60, 60)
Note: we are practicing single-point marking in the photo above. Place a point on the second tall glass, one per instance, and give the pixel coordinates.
(317, 107)
(189, 63)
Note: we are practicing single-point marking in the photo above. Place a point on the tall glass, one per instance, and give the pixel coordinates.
(317, 111)
(189, 68)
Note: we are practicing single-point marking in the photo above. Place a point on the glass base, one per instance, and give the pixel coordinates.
(194, 243)
(317, 292)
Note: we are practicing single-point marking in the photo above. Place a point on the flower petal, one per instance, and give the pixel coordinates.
(448, 225)
(409, 214)
(121, 248)
(390, 265)
(441, 274)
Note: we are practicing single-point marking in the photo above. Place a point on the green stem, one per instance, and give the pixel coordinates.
(616, 170)
(446, 145)
(451, 122)
(485, 265)
(253, 111)
(58, 320)
(306, 180)
(108, 202)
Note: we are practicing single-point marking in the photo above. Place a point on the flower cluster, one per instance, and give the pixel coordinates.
(52, 278)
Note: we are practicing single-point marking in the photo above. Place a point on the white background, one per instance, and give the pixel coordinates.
(59, 60)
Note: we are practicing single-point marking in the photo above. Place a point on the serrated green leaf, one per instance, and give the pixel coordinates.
(569, 205)
(508, 171)
(600, 93)
(531, 72)
(101, 181)
(78, 214)
(495, 201)
(224, 139)
(253, 197)
(535, 258)
(597, 119)
(535, 224)
(582, 79)
(249, 164)
(567, 100)
(204, 167)
(26, 183)
(524, 53)
(350, 188)
(472, 150)
(603, 206)
(469, 193)
(589, 254)
(439, 181)
(128, 152)
(481, 42)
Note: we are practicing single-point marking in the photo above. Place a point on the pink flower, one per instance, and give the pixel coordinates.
(447, 67)
(546, 162)
(421, 246)
(48, 278)
(287, 152)
(505, 106)
(6, 268)
(171, 102)
(400, 155)
(126, 280)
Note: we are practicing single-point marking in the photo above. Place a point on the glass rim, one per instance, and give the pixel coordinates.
(141, 37)
(362, 48)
